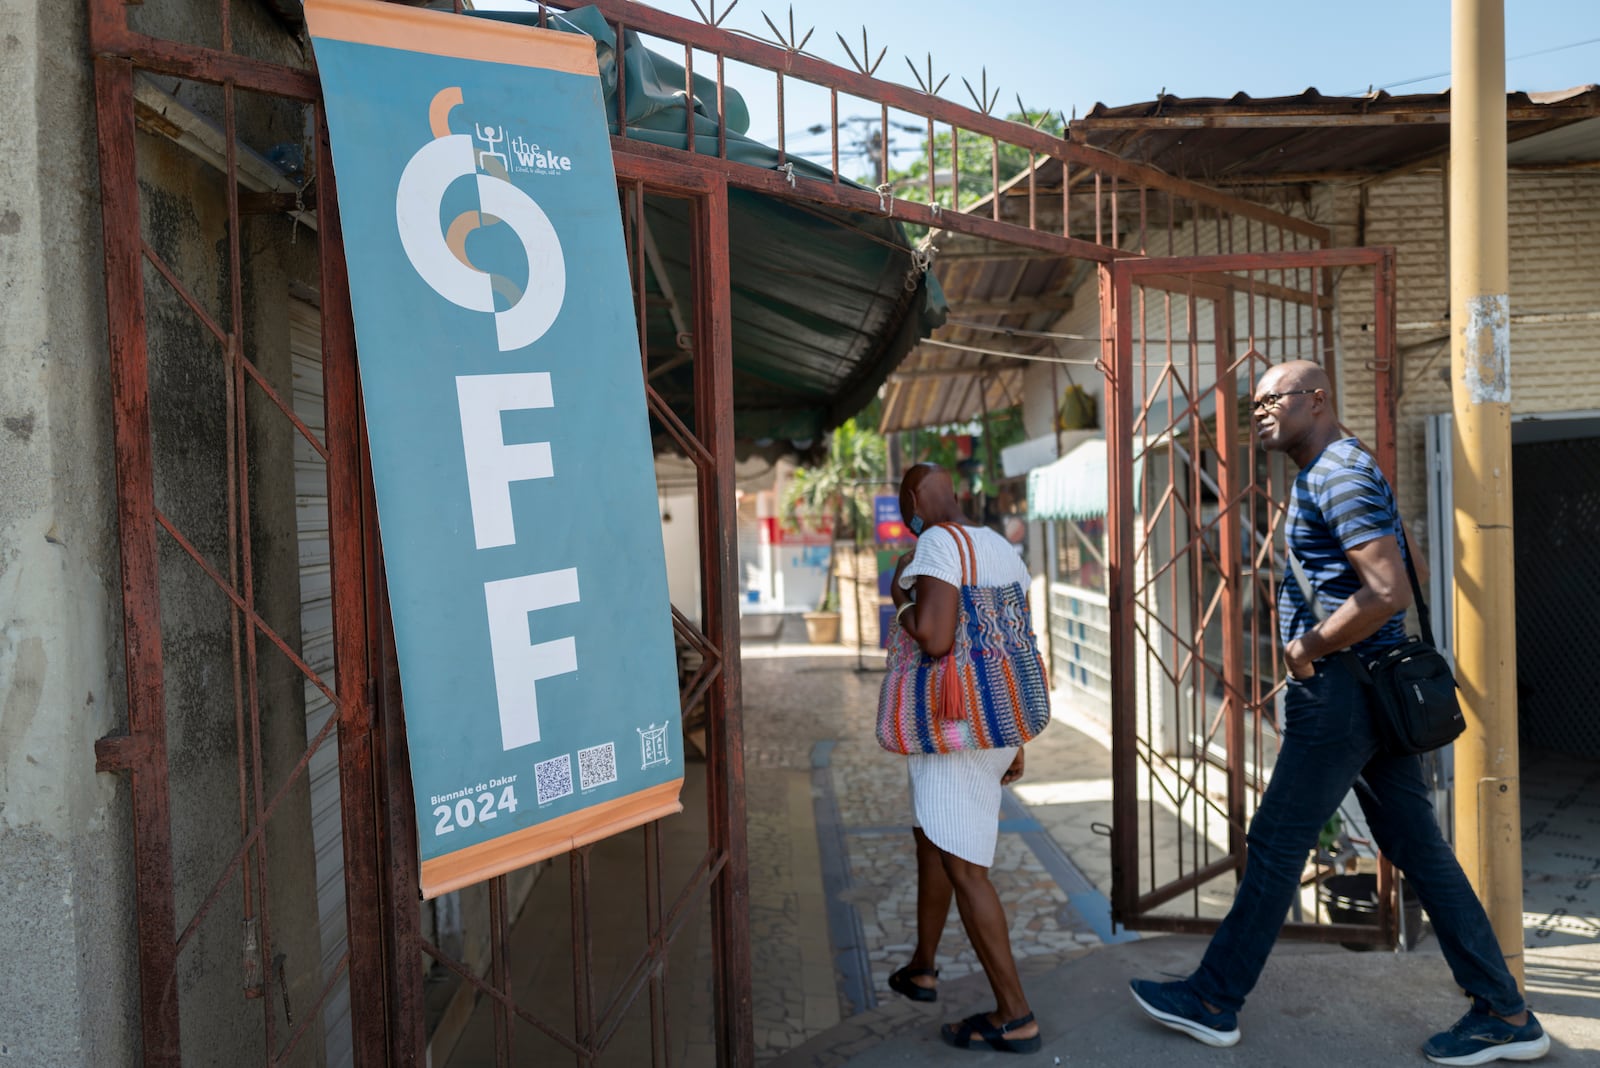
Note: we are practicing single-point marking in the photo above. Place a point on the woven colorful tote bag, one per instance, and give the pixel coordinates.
(988, 692)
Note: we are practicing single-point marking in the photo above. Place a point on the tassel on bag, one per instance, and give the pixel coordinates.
(951, 706)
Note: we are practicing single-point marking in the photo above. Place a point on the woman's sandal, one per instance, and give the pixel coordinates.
(960, 1035)
(900, 982)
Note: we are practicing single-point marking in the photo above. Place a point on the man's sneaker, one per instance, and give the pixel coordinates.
(1480, 1037)
(1174, 1005)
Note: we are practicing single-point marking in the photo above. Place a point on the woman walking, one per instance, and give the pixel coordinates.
(956, 796)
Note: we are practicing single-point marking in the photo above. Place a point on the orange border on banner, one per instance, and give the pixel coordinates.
(414, 29)
(485, 860)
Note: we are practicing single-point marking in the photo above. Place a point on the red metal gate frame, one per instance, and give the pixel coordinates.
(378, 822)
(1217, 278)
(385, 945)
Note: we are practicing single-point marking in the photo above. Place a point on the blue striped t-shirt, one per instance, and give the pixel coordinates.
(1340, 500)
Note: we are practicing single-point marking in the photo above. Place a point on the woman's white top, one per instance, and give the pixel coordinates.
(955, 797)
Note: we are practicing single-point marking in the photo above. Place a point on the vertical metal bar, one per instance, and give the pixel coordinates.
(1330, 348)
(1231, 535)
(659, 1044)
(246, 589)
(994, 177)
(1033, 191)
(783, 154)
(833, 113)
(1144, 216)
(933, 186)
(883, 153)
(722, 112)
(688, 104)
(641, 305)
(1116, 333)
(582, 956)
(730, 909)
(254, 966)
(1384, 363)
(141, 592)
(1099, 237)
(622, 80)
(1066, 200)
(955, 168)
(398, 819)
(1192, 738)
(358, 812)
(1116, 227)
(499, 969)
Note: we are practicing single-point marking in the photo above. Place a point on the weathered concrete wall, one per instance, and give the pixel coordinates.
(68, 958)
(66, 898)
(208, 736)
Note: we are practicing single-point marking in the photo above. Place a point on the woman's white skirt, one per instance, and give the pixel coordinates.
(955, 799)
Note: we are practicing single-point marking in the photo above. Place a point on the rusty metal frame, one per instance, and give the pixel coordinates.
(1135, 411)
(386, 951)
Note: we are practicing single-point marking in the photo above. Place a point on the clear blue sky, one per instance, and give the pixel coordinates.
(1069, 54)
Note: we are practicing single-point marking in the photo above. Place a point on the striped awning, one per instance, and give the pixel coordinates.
(1073, 487)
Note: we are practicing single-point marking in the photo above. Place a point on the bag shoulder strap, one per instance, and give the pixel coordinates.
(966, 550)
(1424, 617)
(1310, 594)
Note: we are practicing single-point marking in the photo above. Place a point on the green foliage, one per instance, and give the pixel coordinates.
(843, 485)
(976, 162)
(941, 446)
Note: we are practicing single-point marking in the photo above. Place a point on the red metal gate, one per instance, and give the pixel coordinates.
(1196, 552)
(214, 453)
(260, 664)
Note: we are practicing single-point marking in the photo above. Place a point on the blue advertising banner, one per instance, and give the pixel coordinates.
(887, 525)
(510, 443)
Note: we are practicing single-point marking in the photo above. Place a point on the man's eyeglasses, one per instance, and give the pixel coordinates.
(1268, 402)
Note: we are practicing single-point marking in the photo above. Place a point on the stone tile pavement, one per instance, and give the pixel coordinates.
(832, 897)
(800, 699)
(809, 718)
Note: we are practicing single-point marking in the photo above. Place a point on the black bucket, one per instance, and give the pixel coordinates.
(1354, 899)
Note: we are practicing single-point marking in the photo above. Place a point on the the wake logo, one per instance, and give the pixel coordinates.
(531, 158)
(518, 155)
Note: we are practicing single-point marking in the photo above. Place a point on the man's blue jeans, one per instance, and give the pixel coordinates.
(1329, 744)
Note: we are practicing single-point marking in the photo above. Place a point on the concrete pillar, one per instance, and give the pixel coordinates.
(67, 955)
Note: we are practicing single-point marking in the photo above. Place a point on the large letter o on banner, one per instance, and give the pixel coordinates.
(421, 192)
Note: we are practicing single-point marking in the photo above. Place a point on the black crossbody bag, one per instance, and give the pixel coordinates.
(1412, 685)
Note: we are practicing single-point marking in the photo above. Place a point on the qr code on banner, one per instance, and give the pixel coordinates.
(553, 778)
(597, 765)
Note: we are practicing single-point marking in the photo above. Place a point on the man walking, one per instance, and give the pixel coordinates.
(1344, 528)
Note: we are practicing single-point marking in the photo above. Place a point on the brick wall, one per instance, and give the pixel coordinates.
(1555, 267)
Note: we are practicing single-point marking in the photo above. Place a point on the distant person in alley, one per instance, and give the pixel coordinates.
(955, 796)
(1345, 530)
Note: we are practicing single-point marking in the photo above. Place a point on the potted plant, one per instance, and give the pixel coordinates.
(822, 626)
(841, 485)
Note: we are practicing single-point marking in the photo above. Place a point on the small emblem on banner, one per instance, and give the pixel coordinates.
(653, 742)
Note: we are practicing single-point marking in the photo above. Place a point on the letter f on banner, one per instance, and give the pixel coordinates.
(519, 664)
(492, 465)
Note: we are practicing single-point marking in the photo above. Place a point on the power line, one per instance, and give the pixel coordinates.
(1509, 59)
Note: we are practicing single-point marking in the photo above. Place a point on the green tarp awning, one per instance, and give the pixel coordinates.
(826, 302)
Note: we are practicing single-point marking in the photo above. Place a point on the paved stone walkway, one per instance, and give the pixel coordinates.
(809, 734)
(833, 884)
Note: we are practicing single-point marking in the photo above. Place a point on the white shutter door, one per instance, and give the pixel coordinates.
(316, 648)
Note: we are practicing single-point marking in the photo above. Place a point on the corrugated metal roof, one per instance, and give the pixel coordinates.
(1311, 137)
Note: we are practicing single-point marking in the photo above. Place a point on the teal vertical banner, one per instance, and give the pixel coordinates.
(510, 443)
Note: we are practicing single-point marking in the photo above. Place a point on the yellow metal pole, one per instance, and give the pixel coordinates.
(1488, 793)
